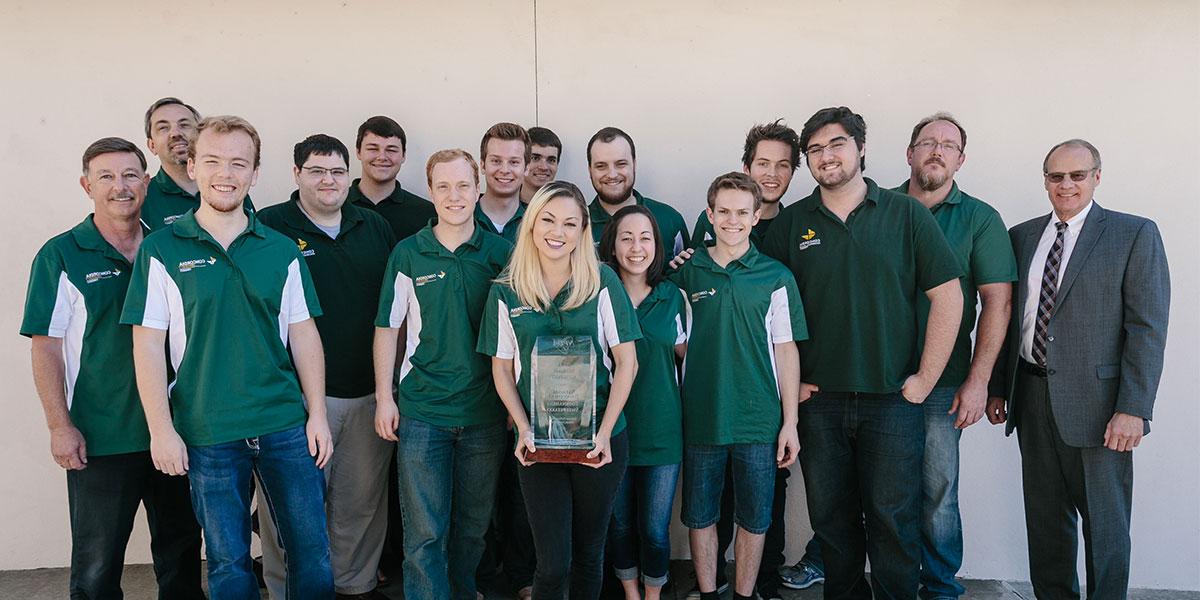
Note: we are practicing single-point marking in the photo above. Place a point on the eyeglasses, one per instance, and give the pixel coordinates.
(1075, 176)
(321, 172)
(928, 145)
(835, 145)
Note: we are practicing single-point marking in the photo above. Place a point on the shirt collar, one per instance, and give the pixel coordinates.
(813, 201)
(187, 227)
(168, 185)
(427, 242)
(397, 196)
(953, 197)
(1075, 223)
(703, 259)
(296, 218)
(596, 210)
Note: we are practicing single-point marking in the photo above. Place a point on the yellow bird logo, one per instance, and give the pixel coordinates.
(303, 244)
(810, 235)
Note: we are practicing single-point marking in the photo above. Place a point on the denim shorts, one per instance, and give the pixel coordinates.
(753, 467)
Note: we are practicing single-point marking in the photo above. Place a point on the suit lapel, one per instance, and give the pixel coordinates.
(1093, 226)
(1025, 254)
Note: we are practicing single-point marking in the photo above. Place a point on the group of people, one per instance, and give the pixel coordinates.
(191, 353)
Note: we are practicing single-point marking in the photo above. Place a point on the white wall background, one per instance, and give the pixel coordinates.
(686, 79)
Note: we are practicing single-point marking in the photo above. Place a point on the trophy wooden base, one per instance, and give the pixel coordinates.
(562, 455)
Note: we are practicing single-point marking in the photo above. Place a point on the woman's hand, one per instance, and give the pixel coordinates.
(524, 446)
(603, 449)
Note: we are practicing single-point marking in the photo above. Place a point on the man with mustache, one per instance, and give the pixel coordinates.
(545, 154)
(85, 379)
(170, 124)
(978, 237)
(381, 146)
(612, 167)
(861, 256)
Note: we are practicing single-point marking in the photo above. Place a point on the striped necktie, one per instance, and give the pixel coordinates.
(1049, 293)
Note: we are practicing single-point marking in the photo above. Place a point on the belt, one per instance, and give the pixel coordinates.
(1032, 369)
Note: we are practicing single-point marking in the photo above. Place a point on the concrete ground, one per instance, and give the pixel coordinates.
(138, 583)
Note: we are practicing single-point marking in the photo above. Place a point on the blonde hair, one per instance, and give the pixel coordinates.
(226, 124)
(446, 156)
(524, 272)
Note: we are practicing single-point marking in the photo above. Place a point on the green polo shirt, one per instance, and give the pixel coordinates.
(441, 293)
(511, 328)
(671, 226)
(980, 242)
(704, 236)
(654, 411)
(511, 228)
(226, 313)
(860, 281)
(166, 202)
(739, 313)
(76, 288)
(347, 273)
(405, 211)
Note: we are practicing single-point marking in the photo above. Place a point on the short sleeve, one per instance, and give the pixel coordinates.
(786, 313)
(147, 301)
(935, 261)
(698, 231)
(395, 293)
(617, 318)
(299, 295)
(49, 296)
(496, 335)
(683, 319)
(992, 258)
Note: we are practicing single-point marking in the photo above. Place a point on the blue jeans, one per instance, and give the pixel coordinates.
(295, 492)
(642, 513)
(447, 478)
(861, 455)
(941, 523)
(753, 484)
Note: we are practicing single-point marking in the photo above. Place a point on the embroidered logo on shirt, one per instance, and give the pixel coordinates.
(98, 275)
(810, 239)
(304, 249)
(196, 263)
(520, 310)
(702, 294)
(430, 278)
(172, 218)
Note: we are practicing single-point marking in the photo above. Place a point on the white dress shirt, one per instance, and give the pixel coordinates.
(1033, 280)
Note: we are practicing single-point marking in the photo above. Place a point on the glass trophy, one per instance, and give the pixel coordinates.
(562, 389)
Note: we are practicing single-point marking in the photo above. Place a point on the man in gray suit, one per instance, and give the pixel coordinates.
(1080, 372)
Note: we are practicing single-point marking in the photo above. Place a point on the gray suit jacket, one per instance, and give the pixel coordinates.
(1107, 334)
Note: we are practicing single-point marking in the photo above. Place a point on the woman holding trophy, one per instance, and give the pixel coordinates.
(560, 329)
(632, 245)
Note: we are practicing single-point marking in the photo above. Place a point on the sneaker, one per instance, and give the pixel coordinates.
(800, 576)
(695, 593)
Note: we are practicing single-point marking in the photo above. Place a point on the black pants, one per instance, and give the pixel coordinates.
(1062, 484)
(773, 542)
(103, 500)
(569, 507)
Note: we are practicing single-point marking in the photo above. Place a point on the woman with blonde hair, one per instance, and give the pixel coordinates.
(555, 286)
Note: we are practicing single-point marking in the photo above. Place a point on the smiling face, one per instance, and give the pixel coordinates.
(504, 166)
(612, 170)
(833, 156)
(733, 216)
(543, 166)
(381, 157)
(936, 155)
(558, 228)
(116, 183)
(171, 128)
(1070, 196)
(223, 168)
(454, 192)
(634, 247)
(771, 168)
(324, 182)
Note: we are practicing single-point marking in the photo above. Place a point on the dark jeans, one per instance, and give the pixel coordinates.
(640, 532)
(295, 492)
(103, 500)
(569, 508)
(509, 540)
(773, 542)
(861, 455)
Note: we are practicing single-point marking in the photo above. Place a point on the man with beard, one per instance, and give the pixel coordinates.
(381, 146)
(346, 249)
(232, 296)
(170, 125)
(543, 162)
(85, 380)
(980, 242)
(504, 152)
(861, 255)
(612, 167)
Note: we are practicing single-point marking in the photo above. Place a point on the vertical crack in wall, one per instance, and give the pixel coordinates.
(536, 87)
